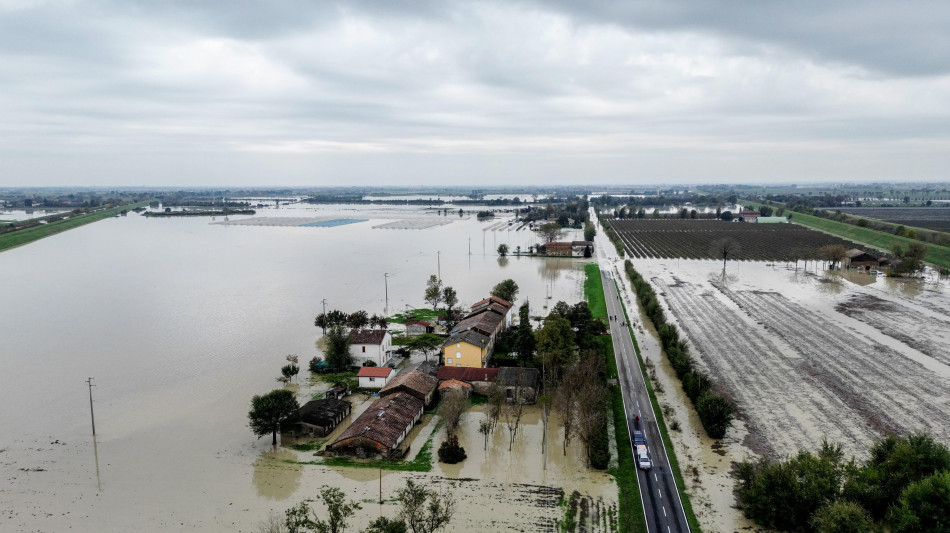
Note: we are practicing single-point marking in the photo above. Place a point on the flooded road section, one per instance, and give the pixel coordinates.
(180, 322)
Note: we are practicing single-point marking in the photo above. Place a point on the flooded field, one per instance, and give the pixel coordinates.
(179, 322)
(809, 355)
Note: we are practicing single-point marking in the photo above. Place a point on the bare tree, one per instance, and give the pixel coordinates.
(453, 405)
(424, 510)
(565, 401)
(591, 412)
(272, 524)
(725, 248)
(511, 412)
(496, 400)
(485, 428)
(833, 253)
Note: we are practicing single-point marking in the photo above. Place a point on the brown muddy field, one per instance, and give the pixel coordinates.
(813, 355)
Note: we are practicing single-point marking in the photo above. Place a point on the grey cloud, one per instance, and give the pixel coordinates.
(909, 38)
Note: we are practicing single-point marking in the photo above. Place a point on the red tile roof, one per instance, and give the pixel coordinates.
(384, 421)
(420, 322)
(454, 384)
(467, 374)
(374, 372)
(415, 382)
(505, 303)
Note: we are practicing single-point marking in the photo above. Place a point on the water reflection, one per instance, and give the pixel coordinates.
(274, 477)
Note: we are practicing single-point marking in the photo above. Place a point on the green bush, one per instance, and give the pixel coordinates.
(715, 413)
(450, 452)
(600, 449)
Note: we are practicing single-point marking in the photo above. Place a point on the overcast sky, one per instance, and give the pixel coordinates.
(240, 92)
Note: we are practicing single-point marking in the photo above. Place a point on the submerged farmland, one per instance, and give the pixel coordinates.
(695, 239)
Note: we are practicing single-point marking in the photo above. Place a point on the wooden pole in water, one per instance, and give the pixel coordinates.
(380, 485)
(91, 413)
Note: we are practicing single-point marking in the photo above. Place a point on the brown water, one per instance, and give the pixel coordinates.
(180, 322)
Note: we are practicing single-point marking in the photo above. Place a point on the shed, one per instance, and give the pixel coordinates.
(415, 383)
(861, 260)
(479, 378)
(321, 416)
(374, 377)
(418, 327)
(381, 428)
(454, 385)
(521, 381)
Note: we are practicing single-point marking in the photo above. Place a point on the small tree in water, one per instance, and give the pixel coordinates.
(433, 294)
(303, 519)
(725, 248)
(273, 412)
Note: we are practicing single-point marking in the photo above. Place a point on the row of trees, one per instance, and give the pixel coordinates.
(356, 320)
(421, 510)
(904, 484)
(714, 410)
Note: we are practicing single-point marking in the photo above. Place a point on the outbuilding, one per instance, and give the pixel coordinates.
(381, 428)
(374, 377)
(320, 417)
(415, 383)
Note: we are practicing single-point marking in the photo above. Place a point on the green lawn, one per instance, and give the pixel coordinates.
(28, 235)
(936, 255)
(415, 314)
(667, 443)
(594, 291)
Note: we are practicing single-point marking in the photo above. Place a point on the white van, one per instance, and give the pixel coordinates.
(643, 460)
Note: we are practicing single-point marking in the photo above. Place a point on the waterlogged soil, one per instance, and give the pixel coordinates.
(808, 355)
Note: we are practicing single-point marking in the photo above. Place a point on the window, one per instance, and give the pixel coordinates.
(459, 345)
(448, 361)
(458, 355)
(372, 379)
(364, 349)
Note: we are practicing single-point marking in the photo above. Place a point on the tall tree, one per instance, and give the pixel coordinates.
(451, 299)
(550, 231)
(512, 411)
(525, 339)
(424, 510)
(589, 232)
(506, 290)
(924, 506)
(555, 344)
(290, 371)
(453, 404)
(433, 294)
(338, 348)
(503, 250)
(273, 412)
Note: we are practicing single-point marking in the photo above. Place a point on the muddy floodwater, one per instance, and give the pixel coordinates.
(179, 322)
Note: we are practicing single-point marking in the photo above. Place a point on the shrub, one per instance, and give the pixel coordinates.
(715, 413)
(450, 452)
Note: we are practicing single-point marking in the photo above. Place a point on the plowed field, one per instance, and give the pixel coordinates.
(693, 239)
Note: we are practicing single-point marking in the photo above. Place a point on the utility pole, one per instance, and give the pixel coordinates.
(439, 259)
(324, 315)
(386, 280)
(91, 413)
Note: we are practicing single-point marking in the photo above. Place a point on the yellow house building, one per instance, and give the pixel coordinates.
(466, 349)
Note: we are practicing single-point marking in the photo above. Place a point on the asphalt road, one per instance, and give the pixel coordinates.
(662, 506)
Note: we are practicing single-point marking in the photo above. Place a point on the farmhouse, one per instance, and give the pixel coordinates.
(321, 416)
(750, 216)
(381, 428)
(418, 327)
(558, 248)
(370, 345)
(374, 377)
(521, 381)
(471, 341)
(414, 383)
(861, 260)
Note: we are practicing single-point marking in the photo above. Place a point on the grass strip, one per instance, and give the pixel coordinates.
(427, 315)
(936, 254)
(664, 433)
(27, 235)
(594, 291)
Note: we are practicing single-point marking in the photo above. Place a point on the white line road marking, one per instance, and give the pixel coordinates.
(660, 493)
(664, 511)
(654, 477)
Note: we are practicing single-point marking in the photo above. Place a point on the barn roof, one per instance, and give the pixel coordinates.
(467, 374)
(415, 382)
(385, 420)
(512, 376)
(323, 412)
